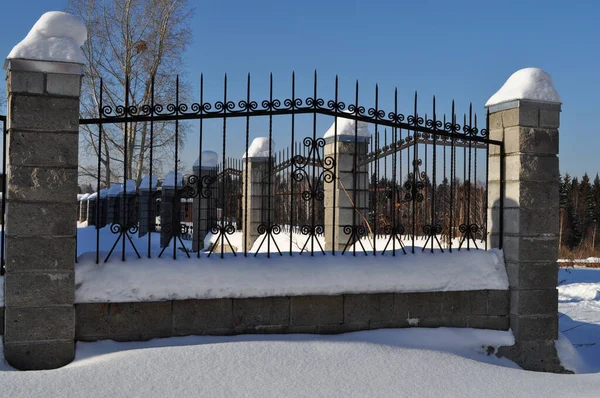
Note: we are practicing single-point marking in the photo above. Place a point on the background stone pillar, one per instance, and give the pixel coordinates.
(255, 209)
(529, 130)
(204, 207)
(43, 124)
(345, 213)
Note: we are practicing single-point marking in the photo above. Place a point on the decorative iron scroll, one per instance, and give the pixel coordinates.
(315, 190)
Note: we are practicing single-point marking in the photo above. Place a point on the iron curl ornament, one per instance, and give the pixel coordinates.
(355, 234)
(469, 232)
(432, 231)
(268, 231)
(221, 232)
(415, 184)
(395, 233)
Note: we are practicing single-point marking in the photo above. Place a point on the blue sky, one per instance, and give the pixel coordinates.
(462, 50)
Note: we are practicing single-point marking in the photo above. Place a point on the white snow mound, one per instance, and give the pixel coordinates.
(346, 127)
(56, 36)
(529, 83)
(169, 181)
(209, 159)
(145, 183)
(260, 148)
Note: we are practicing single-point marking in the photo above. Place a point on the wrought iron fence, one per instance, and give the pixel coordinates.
(377, 182)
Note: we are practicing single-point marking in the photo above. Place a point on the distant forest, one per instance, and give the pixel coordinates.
(579, 216)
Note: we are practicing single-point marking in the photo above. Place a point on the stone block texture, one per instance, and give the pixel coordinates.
(257, 193)
(528, 170)
(347, 195)
(485, 309)
(43, 123)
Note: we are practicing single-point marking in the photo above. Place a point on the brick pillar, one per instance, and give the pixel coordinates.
(529, 130)
(343, 189)
(204, 209)
(259, 193)
(43, 124)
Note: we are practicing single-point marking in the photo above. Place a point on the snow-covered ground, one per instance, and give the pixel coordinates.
(401, 362)
(382, 363)
(579, 307)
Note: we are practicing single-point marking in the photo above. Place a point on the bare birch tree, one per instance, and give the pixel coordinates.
(142, 40)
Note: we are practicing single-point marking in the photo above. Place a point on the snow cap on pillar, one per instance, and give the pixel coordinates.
(348, 129)
(52, 45)
(260, 148)
(531, 84)
(210, 159)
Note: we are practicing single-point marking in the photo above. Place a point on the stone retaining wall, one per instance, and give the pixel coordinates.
(486, 309)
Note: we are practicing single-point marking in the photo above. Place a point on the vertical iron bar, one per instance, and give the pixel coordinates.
(452, 175)
(415, 172)
(434, 182)
(246, 227)
(125, 163)
(100, 113)
(487, 176)
(394, 186)
(176, 196)
(199, 184)
(469, 174)
(313, 177)
(293, 103)
(376, 196)
(335, 165)
(224, 160)
(355, 173)
(151, 204)
(502, 190)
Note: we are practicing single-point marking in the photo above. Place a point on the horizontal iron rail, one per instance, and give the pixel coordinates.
(372, 156)
(283, 112)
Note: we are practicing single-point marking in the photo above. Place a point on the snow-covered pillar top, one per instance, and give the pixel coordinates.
(347, 130)
(210, 160)
(259, 149)
(44, 74)
(528, 85)
(524, 194)
(53, 45)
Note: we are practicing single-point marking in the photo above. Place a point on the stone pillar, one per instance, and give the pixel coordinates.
(255, 209)
(170, 208)
(204, 210)
(147, 206)
(43, 124)
(92, 202)
(344, 191)
(529, 130)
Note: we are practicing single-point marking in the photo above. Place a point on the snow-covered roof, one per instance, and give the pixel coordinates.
(145, 183)
(56, 36)
(169, 181)
(116, 189)
(209, 159)
(260, 148)
(346, 127)
(529, 84)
